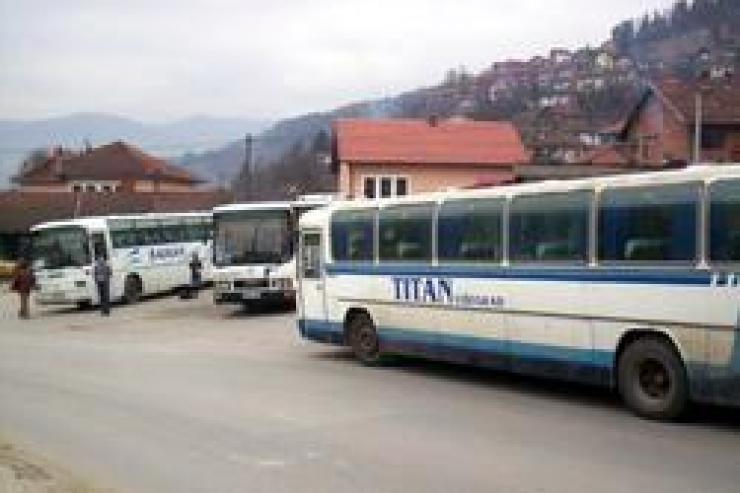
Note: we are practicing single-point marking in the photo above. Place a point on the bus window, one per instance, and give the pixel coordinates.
(100, 248)
(550, 227)
(311, 256)
(122, 233)
(148, 232)
(646, 224)
(352, 233)
(470, 230)
(405, 232)
(724, 221)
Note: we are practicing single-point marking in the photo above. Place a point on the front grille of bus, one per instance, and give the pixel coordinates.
(250, 283)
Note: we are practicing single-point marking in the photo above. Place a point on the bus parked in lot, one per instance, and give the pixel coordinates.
(631, 281)
(254, 250)
(148, 253)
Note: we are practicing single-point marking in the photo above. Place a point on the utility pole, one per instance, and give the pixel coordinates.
(246, 175)
(697, 125)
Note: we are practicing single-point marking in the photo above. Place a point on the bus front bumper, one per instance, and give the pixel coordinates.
(57, 295)
(246, 296)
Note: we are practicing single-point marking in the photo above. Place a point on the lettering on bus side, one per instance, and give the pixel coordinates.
(438, 290)
(422, 289)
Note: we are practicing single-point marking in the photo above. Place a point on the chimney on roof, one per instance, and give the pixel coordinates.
(57, 165)
(433, 120)
(88, 147)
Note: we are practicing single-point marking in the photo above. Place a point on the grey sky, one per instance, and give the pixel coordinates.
(163, 59)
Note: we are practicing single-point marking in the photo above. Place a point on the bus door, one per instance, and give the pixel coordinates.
(312, 276)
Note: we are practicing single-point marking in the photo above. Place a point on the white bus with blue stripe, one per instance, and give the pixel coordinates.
(254, 257)
(148, 254)
(631, 281)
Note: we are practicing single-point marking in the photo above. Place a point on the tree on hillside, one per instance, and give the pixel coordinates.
(33, 160)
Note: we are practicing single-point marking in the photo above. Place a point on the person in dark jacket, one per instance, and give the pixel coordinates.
(102, 274)
(23, 282)
(196, 268)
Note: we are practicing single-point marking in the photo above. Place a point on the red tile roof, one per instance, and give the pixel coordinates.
(115, 161)
(21, 210)
(720, 99)
(423, 142)
(606, 155)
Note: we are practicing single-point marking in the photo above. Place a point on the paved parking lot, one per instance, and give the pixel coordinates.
(177, 396)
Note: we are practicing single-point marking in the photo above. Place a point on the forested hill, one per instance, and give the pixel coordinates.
(552, 98)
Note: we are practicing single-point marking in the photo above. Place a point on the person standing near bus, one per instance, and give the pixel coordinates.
(196, 267)
(23, 282)
(102, 274)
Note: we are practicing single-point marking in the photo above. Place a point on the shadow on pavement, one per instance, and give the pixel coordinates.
(723, 418)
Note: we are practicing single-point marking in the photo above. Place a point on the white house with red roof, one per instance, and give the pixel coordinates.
(109, 168)
(387, 158)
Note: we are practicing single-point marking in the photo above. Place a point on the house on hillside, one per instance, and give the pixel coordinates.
(388, 158)
(109, 168)
(113, 179)
(659, 129)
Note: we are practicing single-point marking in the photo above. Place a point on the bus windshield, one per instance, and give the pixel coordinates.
(252, 237)
(55, 248)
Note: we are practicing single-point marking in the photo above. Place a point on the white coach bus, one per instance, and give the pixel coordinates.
(148, 253)
(631, 281)
(254, 250)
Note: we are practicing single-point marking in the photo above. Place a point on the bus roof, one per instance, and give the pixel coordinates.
(253, 206)
(100, 221)
(702, 173)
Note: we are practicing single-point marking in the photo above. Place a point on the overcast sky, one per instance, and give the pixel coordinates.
(162, 59)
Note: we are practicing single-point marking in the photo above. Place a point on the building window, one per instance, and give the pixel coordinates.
(712, 138)
(77, 188)
(385, 186)
(90, 188)
(401, 187)
(107, 188)
(369, 191)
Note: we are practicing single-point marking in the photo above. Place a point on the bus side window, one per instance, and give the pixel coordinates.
(405, 233)
(470, 230)
(724, 221)
(550, 227)
(352, 234)
(649, 223)
(100, 249)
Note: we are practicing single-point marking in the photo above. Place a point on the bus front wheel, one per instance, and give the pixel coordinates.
(363, 338)
(652, 379)
(132, 290)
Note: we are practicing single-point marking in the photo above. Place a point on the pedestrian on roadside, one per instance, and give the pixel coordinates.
(196, 267)
(102, 274)
(23, 282)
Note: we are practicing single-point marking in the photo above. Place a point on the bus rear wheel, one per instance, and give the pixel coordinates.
(363, 338)
(652, 379)
(132, 290)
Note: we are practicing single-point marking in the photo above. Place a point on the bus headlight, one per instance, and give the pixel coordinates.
(284, 283)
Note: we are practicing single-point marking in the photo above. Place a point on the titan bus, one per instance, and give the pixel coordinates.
(148, 254)
(630, 281)
(254, 247)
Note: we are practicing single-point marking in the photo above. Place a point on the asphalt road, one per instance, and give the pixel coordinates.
(174, 396)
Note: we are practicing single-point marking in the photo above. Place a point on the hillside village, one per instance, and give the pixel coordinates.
(566, 104)
(631, 103)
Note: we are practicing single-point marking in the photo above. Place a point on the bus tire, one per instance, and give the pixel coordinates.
(132, 289)
(363, 339)
(652, 379)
